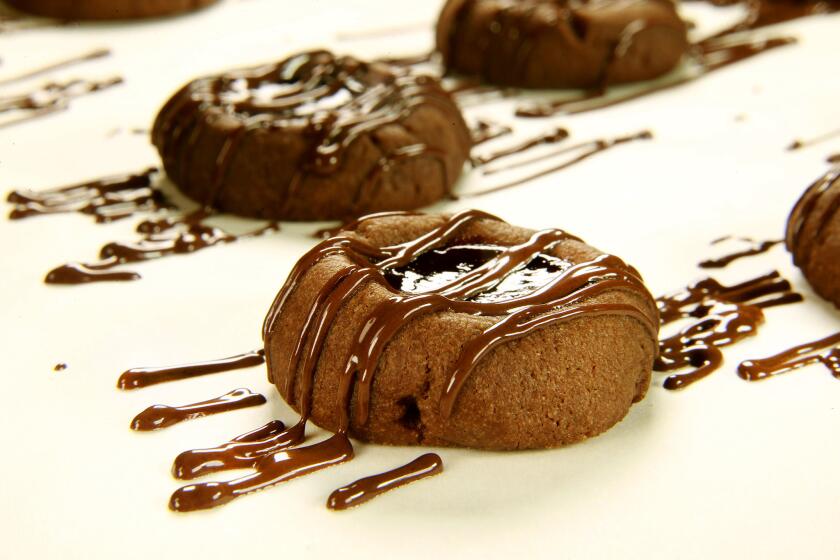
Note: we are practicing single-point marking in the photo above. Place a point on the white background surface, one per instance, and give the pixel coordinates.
(722, 469)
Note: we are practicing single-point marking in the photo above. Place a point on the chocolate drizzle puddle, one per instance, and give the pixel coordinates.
(710, 55)
(138, 378)
(159, 238)
(584, 151)
(60, 65)
(721, 316)
(50, 98)
(550, 137)
(755, 248)
(162, 416)
(799, 144)
(485, 131)
(366, 489)
(825, 351)
(107, 200)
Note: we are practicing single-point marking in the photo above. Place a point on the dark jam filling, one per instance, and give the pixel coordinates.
(437, 268)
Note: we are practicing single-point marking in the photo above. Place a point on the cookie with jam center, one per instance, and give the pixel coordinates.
(558, 44)
(813, 235)
(313, 137)
(107, 9)
(461, 330)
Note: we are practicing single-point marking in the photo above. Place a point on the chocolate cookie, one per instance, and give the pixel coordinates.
(461, 331)
(813, 235)
(107, 9)
(313, 137)
(556, 44)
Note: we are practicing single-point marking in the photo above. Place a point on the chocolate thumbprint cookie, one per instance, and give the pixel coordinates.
(313, 137)
(107, 9)
(561, 43)
(813, 235)
(461, 330)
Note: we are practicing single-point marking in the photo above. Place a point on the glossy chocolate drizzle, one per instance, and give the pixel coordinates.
(49, 98)
(138, 378)
(803, 210)
(720, 316)
(550, 137)
(162, 416)
(52, 67)
(60, 367)
(710, 55)
(755, 248)
(800, 144)
(159, 238)
(485, 131)
(336, 100)
(107, 199)
(368, 488)
(580, 152)
(761, 13)
(825, 351)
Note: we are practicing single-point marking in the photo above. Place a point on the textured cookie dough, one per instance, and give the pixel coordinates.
(561, 384)
(313, 137)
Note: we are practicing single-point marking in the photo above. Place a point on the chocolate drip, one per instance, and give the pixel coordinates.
(270, 470)
(799, 144)
(50, 98)
(240, 453)
(795, 358)
(107, 200)
(335, 99)
(833, 158)
(60, 367)
(485, 131)
(755, 248)
(366, 489)
(551, 137)
(66, 63)
(161, 238)
(162, 416)
(761, 13)
(722, 315)
(803, 209)
(710, 55)
(138, 378)
(586, 149)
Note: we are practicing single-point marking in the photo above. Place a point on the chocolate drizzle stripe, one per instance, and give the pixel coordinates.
(270, 470)
(60, 65)
(485, 131)
(721, 316)
(588, 149)
(756, 248)
(799, 144)
(242, 452)
(368, 488)
(795, 358)
(551, 137)
(161, 416)
(107, 199)
(138, 378)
